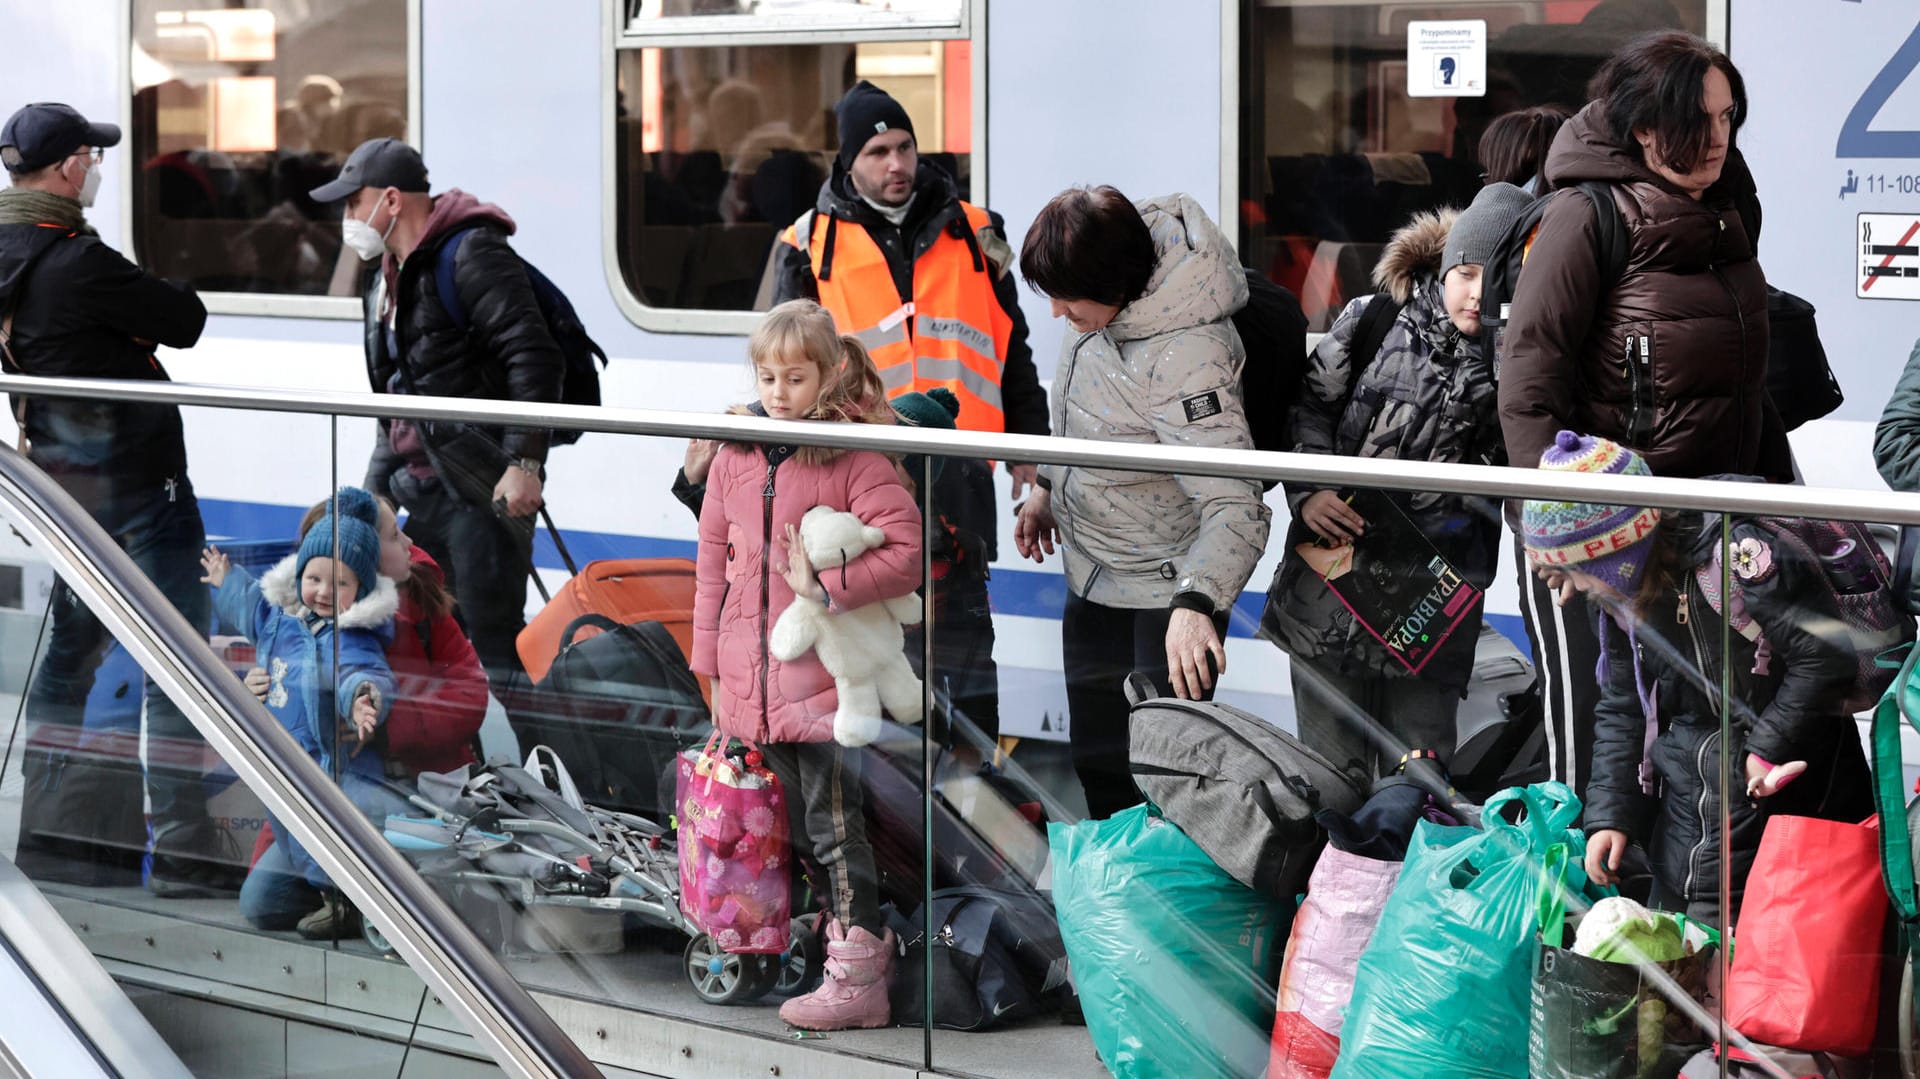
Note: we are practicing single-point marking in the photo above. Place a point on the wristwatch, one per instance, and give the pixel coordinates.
(528, 465)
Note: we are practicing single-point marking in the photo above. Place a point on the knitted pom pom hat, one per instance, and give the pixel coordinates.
(355, 516)
(937, 408)
(1608, 542)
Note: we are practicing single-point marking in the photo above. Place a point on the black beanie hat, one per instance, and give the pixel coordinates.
(866, 111)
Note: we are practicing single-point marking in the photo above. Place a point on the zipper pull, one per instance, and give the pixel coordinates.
(1626, 359)
(1680, 614)
(172, 488)
(768, 493)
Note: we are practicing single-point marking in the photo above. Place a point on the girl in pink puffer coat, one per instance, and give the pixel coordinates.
(750, 566)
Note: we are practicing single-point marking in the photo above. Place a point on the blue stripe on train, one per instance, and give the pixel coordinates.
(1015, 591)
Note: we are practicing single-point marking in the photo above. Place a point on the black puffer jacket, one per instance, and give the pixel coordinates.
(1428, 395)
(84, 311)
(1790, 712)
(506, 354)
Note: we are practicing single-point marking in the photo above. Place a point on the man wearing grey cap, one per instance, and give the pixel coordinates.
(470, 491)
(71, 306)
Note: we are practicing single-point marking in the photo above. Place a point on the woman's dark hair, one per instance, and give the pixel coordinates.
(1089, 243)
(1514, 147)
(1655, 83)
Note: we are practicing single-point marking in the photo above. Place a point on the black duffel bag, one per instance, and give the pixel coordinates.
(997, 957)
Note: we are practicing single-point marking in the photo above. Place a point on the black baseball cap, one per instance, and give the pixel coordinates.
(383, 162)
(43, 133)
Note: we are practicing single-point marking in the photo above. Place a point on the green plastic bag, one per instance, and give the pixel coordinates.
(1172, 958)
(1444, 987)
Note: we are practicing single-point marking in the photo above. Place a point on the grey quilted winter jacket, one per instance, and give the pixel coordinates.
(1165, 371)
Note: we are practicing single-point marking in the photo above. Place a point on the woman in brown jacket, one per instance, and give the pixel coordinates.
(1667, 353)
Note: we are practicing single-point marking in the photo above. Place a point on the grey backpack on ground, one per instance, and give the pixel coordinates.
(1243, 789)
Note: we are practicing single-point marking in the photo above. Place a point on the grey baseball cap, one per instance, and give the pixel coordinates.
(383, 162)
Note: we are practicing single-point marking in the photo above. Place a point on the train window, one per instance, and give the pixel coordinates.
(1334, 155)
(722, 125)
(707, 16)
(239, 108)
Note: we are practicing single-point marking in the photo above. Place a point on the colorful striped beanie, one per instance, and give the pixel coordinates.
(1608, 542)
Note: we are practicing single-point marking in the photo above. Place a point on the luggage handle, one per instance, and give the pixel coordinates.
(1140, 689)
(542, 761)
(591, 618)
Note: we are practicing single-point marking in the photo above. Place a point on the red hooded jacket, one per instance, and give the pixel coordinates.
(440, 688)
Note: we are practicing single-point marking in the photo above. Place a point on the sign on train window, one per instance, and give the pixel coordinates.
(238, 110)
(1335, 154)
(718, 149)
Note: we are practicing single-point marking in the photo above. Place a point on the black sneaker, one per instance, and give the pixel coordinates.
(195, 860)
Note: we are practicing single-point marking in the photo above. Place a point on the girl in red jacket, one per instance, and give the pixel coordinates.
(751, 565)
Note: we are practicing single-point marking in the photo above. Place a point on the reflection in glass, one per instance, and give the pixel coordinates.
(237, 113)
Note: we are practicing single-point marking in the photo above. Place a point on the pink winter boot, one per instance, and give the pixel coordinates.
(854, 995)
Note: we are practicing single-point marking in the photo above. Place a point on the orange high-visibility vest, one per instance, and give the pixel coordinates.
(954, 333)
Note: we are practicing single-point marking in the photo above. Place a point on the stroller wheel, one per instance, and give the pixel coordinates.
(801, 964)
(727, 978)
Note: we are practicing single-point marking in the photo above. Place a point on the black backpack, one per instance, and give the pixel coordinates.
(1273, 329)
(616, 707)
(1799, 380)
(1501, 276)
(581, 382)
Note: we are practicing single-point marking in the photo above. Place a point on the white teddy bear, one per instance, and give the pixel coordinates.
(862, 649)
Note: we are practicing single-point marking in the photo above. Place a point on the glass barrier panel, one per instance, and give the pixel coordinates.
(222, 931)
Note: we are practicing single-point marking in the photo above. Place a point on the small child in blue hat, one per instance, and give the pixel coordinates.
(320, 622)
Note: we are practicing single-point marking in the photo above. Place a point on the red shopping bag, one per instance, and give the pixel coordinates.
(735, 852)
(1806, 951)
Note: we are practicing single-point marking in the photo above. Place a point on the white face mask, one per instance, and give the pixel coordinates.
(89, 185)
(361, 236)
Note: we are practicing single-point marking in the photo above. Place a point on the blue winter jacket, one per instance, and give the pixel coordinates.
(296, 648)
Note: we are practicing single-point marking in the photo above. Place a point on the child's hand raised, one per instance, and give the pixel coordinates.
(216, 566)
(799, 570)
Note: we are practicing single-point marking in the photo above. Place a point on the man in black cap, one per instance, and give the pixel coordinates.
(71, 306)
(453, 313)
(924, 280)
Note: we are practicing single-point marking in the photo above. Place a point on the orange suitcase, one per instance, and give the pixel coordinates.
(623, 589)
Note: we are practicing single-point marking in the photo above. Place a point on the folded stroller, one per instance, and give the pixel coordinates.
(531, 866)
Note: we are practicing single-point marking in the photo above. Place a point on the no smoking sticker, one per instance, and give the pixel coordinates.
(1887, 261)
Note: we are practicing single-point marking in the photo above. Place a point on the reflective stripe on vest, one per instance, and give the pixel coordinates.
(958, 334)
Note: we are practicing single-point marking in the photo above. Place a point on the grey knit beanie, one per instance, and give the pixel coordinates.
(1479, 227)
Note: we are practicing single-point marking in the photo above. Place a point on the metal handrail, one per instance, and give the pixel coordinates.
(1312, 469)
(521, 1037)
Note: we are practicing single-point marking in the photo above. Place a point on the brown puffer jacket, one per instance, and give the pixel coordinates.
(1692, 296)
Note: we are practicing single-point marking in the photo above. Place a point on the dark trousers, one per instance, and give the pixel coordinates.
(1364, 725)
(162, 532)
(1100, 646)
(486, 561)
(1566, 655)
(963, 667)
(821, 781)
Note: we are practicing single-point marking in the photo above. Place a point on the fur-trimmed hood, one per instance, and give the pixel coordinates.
(373, 611)
(1414, 253)
(812, 455)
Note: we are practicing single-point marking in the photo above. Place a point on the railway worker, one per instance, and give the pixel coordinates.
(77, 308)
(923, 279)
(470, 492)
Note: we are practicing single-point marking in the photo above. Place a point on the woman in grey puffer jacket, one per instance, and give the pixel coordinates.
(1154, 561)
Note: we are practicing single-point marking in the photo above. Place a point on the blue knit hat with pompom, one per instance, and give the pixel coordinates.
(355, 517)
(1608, 542)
